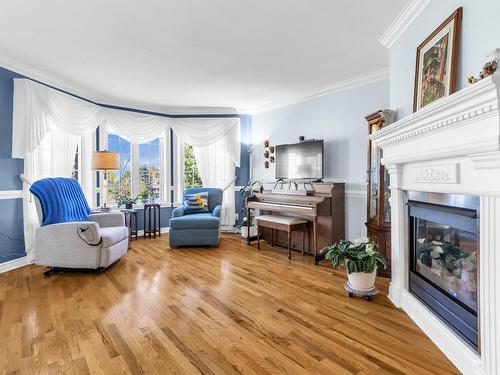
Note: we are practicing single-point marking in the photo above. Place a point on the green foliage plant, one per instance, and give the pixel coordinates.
(246, 192)
(360, 255)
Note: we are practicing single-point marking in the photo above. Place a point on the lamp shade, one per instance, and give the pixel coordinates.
(105, 161)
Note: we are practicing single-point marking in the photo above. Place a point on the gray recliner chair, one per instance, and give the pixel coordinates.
(92, 245)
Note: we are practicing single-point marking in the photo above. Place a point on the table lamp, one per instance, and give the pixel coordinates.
(105, 161)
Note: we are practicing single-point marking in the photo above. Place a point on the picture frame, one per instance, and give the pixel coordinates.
(436, 63)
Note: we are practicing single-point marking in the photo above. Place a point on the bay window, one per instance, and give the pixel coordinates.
(143, 172)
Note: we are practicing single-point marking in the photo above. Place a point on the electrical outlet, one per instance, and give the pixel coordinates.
(237, 216)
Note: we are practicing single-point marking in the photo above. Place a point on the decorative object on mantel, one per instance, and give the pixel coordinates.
(489, 68)
(436, 66)
(361, 260)
(268, 154)
(378, 219)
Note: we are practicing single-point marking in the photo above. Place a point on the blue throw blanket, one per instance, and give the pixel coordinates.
(62, 200)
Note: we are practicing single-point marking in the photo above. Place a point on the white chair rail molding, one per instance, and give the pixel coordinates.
(444, 163)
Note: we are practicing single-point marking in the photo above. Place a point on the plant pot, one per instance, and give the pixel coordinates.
(244, 231)
(362, 281)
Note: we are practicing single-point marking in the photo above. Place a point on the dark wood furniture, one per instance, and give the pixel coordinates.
(131, 223)
(322, 207)
(152, 226)
(282, 223)
(378, 222)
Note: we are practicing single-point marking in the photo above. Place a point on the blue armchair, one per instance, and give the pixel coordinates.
(197, 229)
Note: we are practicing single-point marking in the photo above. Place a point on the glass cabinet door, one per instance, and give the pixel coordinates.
(387, 196)
(374, 181)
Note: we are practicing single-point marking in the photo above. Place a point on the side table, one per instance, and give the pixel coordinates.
(131, 222)
(151, 224)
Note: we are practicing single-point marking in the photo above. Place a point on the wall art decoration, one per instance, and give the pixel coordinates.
(436, 65)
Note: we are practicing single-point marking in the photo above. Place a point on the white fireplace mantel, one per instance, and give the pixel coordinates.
(450, 146)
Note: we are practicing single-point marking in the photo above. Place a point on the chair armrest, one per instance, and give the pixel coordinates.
(178, 212)
(217, 210)
(108, 219)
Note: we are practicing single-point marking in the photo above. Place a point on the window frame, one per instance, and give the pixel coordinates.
(164, 167)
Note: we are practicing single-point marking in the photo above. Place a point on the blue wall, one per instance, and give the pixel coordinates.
(11, 219)
(479, 36)
(337, 118)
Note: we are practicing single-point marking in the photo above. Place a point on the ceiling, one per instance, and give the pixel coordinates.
(158, 54)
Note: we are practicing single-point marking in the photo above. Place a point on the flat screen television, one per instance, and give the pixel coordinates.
(302, 160)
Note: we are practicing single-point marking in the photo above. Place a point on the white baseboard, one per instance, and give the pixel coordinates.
(463, 357)
(140, 233)
(15, 263)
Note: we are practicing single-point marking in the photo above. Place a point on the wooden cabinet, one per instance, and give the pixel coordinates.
(378, 222)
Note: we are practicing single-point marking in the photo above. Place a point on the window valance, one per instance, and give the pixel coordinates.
(39, 108)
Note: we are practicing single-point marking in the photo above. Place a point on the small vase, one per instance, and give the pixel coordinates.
(362, 281)
(244, 231)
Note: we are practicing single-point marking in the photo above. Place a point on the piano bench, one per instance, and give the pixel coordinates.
(284, 223)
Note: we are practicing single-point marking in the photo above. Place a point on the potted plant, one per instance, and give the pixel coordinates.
(143, 197)
(244, 227)
(246, 192)
(123, 200)
(361, 260)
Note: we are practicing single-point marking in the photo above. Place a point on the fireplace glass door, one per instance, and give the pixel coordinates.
(447, 257)
(444, 263)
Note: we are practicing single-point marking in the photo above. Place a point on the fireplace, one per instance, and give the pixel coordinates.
(446, 246)
(444, 258)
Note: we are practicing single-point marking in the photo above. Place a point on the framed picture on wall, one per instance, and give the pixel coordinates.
(436, 67)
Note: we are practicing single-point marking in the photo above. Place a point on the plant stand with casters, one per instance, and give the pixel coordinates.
(367, 295)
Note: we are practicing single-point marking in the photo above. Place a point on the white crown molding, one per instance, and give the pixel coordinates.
(351, 83)
(11, 194)
(15, 263)
(98, 98)
(403, 20)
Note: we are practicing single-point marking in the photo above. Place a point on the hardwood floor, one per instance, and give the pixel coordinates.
(230, 310)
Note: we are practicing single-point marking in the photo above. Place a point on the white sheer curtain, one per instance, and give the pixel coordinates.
(48, 123)
(216, 147)
(39, 109)
(53, 157)
(136, 127)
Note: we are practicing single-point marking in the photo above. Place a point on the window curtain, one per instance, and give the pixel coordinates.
(53, 157)
(48, 123)
(216, 146)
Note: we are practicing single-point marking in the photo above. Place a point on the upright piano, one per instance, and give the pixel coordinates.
(322, 204)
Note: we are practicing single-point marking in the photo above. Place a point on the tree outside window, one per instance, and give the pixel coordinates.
(149, 170)
(119, 182)
(191, 174)
(139, 174)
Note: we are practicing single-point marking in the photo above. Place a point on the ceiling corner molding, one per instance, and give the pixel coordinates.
(45, 78)
(351, 83)
(403, 20)
(95, 97)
